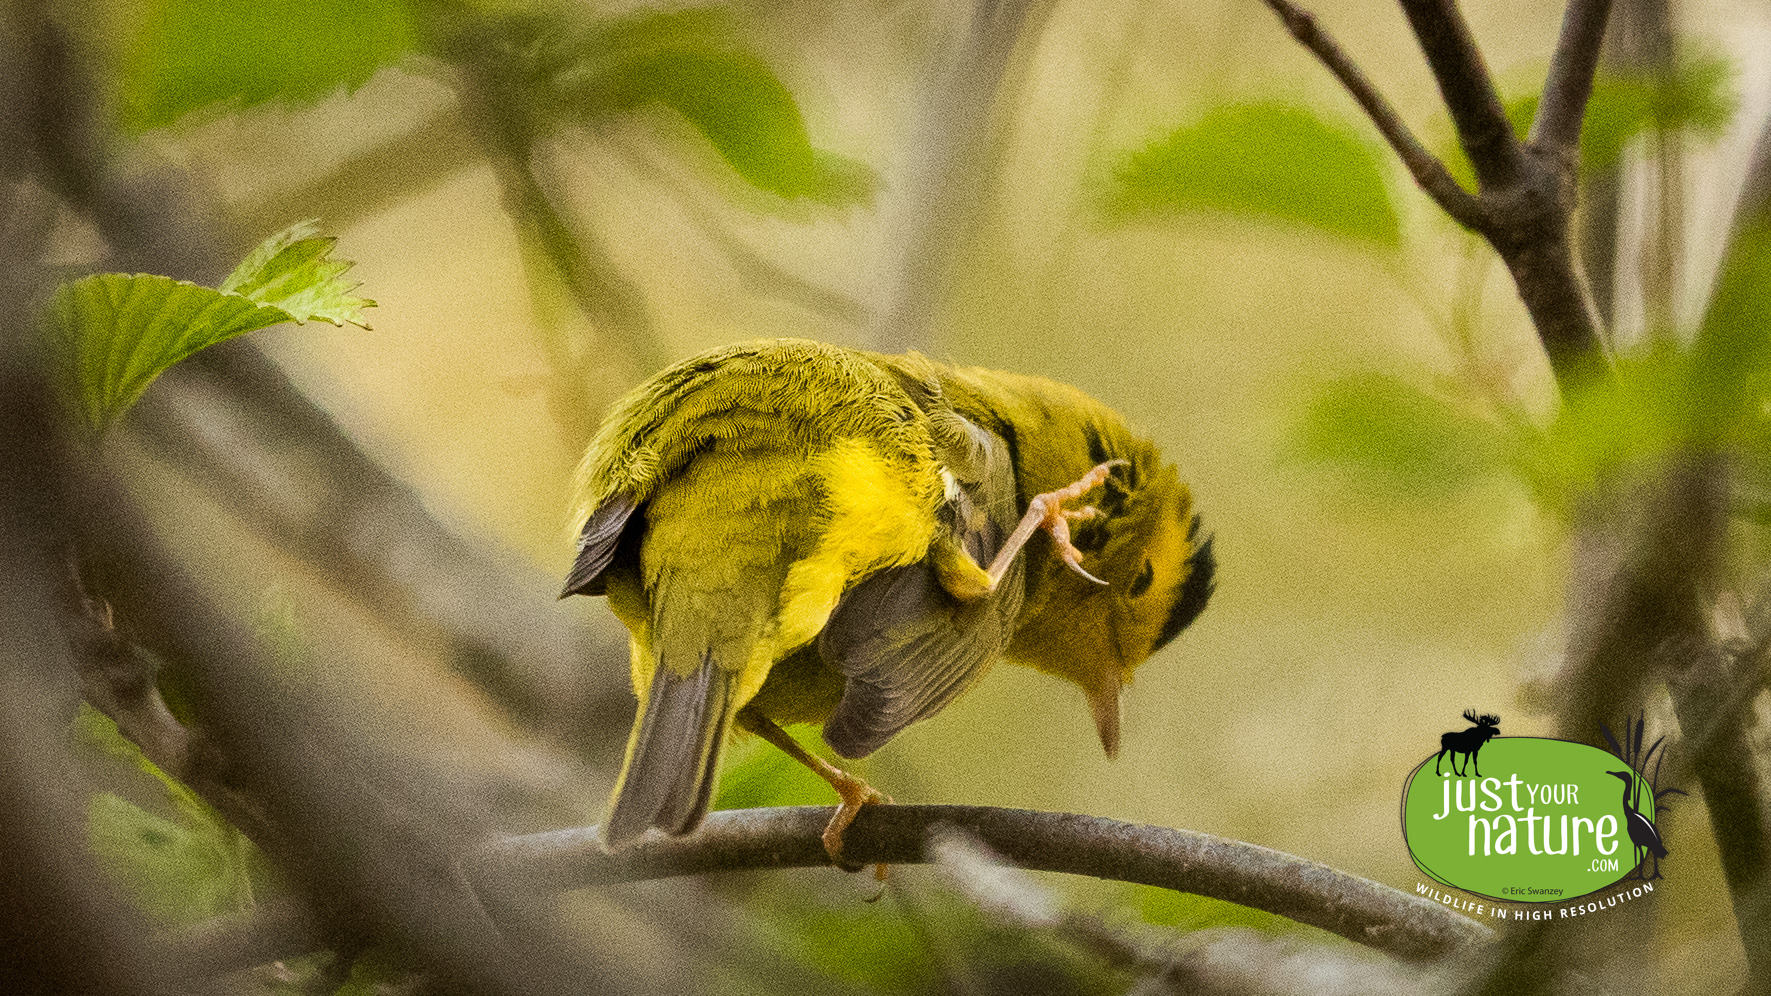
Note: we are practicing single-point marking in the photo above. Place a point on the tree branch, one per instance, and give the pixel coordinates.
(953, 162)
(1525, 194)
(1428, 172)
(1469, 92)
(1358, 909)
(496, 108)
(1570, 82)
(788, 837)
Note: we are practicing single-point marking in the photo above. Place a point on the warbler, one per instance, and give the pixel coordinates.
(795, 532)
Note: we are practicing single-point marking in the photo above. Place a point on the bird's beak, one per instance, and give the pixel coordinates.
(1104, 703)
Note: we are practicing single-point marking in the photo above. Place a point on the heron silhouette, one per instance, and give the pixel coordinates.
(1642, 833)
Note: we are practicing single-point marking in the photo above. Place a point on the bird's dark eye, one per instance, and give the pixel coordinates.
(1141, 583)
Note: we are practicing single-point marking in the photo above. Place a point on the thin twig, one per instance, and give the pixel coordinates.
(1469, 92)
(1428, 171)
(1570, 82)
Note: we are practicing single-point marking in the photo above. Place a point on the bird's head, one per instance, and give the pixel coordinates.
(1146, 544)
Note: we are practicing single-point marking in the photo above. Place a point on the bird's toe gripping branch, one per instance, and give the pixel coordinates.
(1046, 511)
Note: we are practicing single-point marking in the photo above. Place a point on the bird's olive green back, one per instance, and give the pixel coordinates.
(791, 395)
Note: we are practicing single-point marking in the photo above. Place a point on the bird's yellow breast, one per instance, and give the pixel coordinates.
(876, 513)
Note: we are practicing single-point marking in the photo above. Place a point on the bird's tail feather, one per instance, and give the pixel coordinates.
(673, 756)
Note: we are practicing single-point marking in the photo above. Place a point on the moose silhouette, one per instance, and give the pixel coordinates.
(1468, 742)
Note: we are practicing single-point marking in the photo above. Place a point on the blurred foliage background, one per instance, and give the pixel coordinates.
(1169, 205)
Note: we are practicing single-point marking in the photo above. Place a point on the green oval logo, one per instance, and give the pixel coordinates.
(1527, 820)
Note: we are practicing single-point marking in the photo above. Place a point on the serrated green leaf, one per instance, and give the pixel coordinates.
(1382, 431)
(694, 63)
(1273, 160)
(292, 271)
(193, 53)
(120, 331)
(123, 330)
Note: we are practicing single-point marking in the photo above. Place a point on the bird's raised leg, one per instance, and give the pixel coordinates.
(1046, 511)
(855, 793)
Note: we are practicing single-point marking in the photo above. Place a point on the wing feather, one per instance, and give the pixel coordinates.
(907, 646)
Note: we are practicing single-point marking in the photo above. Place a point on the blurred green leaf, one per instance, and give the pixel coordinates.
(759, 774)
(375, 970)
(189, 54)
(179, 870)
(1732, 355)
(1275, 160)
(120, 331)
(694, 63)
(1697, 97)
(176, 874)
(866, 944)
(1381, 431)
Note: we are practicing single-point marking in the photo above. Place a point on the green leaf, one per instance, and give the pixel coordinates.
(292, 271)
(189, 54)
(1732, 355)
(179, 870)
(1646, 410)
(1274, 160)
(1381, 431)
(120, 331)
(693, 63)
(176, 875)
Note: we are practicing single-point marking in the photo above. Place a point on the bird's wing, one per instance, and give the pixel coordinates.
(906, 645)
(597, 543)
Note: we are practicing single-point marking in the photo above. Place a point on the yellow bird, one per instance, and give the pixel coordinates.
(793, 532)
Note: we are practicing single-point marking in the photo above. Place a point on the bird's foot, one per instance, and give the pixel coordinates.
(1046, 511)
(855, 793)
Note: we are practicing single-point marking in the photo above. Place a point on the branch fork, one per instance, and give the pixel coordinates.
(1526, 190)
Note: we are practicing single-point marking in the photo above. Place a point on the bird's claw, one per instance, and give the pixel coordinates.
(855, 793)
(1056, 519)
(1046, 511)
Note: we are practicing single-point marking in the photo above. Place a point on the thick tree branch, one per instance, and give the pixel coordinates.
(1570, 82)
(264, 451)
(1428, 172)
